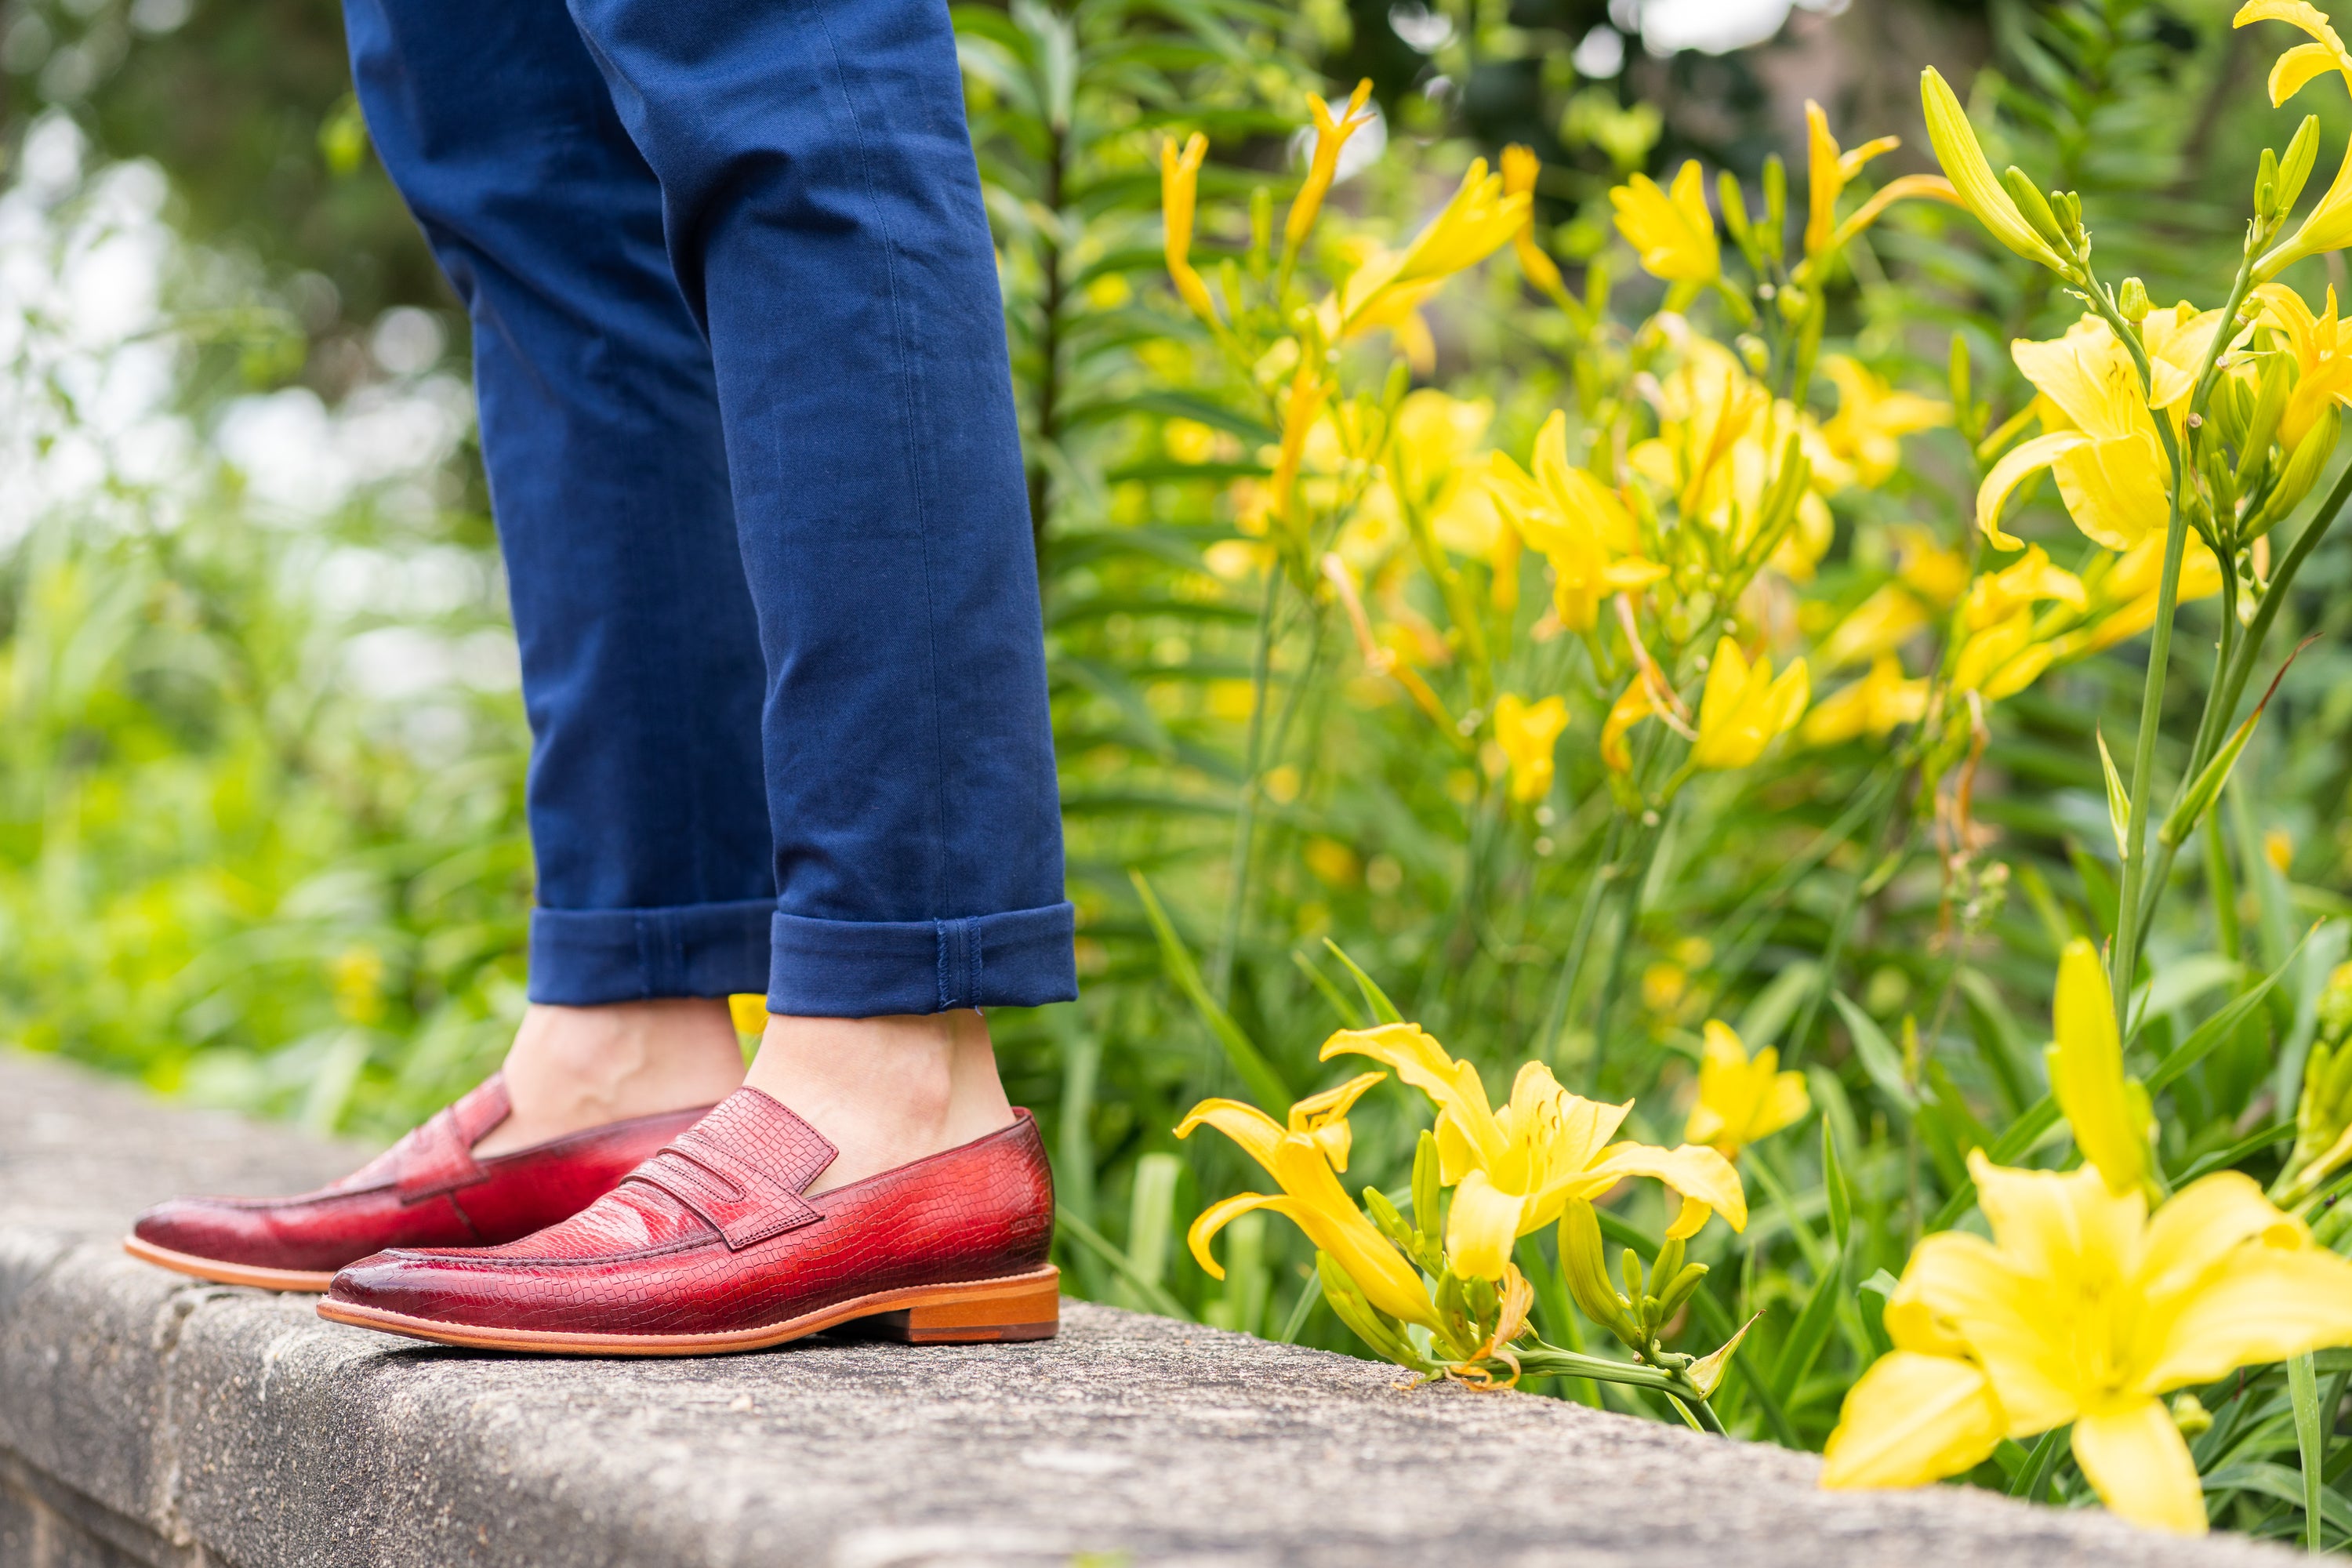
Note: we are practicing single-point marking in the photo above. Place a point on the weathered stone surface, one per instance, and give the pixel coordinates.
(148, 1419)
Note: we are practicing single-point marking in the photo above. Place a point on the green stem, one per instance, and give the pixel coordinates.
(1221, 969)
(1571, 967)
(1549, 1361)
(2222, 704)
(1626, 930)
(2128, 923)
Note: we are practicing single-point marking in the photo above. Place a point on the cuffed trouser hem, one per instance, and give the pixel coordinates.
(866, 969)
(580, 958)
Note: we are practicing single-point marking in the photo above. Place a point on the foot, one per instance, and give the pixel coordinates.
(586, 1094)
(722, 1242)
(883, 1091)
(570, 1068)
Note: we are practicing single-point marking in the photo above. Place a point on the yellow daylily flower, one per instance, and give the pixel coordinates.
(1955, 141)
(2322, 347)
(749, 1012)
(1180, 176)
(2329, 226)
(1743, 707)
(2111, 471)
(1301, 410)
(1671, 230)
(1330, 135)
(1300, 1157)
(2124, 595)
(2108, 1113)
(1390, 285)
(1633, 705)
(1520, 167)
(2084, 1307)
(1742, 1099)
(2005, 649)
(1873, 627)
(1578, 524)
(1514, 1170)
(2028, 579)
(1527, 732)
(1827, 171)
(1440, 472)
(2176, 341)
(1928, 579)
(1878, 703)
(1872, 417)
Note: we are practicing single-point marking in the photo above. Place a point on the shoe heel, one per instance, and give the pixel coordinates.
(1029, 1308)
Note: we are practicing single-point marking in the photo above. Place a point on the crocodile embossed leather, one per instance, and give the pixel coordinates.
(712, 1245)
(427, 1190)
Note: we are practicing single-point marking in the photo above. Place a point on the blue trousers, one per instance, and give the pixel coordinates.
(745, 407)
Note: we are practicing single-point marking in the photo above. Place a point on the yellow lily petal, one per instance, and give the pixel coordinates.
(1481, 1225)
(1218, 1215)
(1961, 1291)
(1671, 230)
(2265, 1303)
(2057, 1225)
(2020, 461)
(1333, 1222)
(1254, 1130)
(2086, 1071)
(2134, 1455)
(1527, 732)
(1633, 705)
(1421, 1061)
(2115, 489)
(1691, 1169)
(1955, 141)
(1912, 1419)
(2203, 1224)
(2019, 673)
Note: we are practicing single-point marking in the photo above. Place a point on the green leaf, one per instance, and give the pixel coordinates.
(1348, 1019)
(1877, 1054)
(2033, 1478)
(2310, 1441)
(2202, 1039)
(1266, 1085)
(1383, 1010)
(2119, 800)
(1840, 1200)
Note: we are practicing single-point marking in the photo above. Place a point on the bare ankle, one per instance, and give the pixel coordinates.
(884, 1091)
(572, 1068)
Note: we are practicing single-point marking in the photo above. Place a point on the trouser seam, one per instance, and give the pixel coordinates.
(909, 408)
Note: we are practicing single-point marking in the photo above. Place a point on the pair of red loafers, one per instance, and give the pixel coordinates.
(684, 1233)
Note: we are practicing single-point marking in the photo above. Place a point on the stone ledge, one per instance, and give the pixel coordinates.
(148, 1419)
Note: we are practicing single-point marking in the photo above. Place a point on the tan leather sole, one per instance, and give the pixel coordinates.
(310, 1281)
(1021, 1307)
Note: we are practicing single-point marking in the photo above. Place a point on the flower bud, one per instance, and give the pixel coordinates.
(2034, 205)
(2131, 301)
(1776, 205)
(2294, 168)
(2188, 1413)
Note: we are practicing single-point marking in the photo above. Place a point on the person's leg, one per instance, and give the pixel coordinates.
(823, 215)
(642, 669)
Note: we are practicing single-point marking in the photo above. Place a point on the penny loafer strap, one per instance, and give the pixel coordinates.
(438, 1157)
(741, 1169)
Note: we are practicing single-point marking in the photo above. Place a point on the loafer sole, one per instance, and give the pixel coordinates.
(1017, 1307)
(313, 1282)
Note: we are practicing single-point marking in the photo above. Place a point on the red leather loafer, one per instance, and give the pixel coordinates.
(710, 1246)
(427, 1190)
